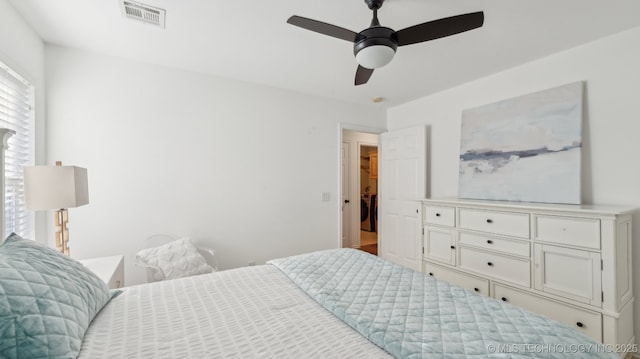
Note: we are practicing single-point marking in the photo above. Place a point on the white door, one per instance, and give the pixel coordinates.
(402, 183)
(346, 218)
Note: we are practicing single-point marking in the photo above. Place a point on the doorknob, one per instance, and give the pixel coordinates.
(346, 201)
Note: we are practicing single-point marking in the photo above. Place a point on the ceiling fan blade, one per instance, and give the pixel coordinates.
(323, 28)
(362, 75)
(440, 28)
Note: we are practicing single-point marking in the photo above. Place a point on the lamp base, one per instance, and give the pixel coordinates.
(61, 217)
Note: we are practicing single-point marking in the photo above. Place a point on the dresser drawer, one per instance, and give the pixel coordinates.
(508, 246)
(583, 232)
(452, 276)
(506, 223)
(583, 320)
(444, 216)
(509, 269)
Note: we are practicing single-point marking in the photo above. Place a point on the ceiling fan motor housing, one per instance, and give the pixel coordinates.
(379, 39)
(374, 4)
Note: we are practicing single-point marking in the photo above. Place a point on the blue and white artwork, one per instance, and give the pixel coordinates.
(524, 149)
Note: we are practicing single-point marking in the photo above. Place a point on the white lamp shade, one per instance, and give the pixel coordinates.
(375, 56)
(55, 187)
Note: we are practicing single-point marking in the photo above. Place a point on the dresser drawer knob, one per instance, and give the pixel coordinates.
(489, 220)
(490, 264)
(437, 214)
(579, 324)
(504, 299)
(489, 241)
(476, 289)
(431, 274)
(453, 247)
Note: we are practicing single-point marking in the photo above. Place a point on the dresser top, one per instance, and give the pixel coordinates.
(582, 208)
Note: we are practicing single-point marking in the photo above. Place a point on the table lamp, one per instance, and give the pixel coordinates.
(56, 187)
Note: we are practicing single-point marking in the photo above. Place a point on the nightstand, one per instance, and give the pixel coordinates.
(109, 269)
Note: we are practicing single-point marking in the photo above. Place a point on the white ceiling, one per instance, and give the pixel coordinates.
(249, 40)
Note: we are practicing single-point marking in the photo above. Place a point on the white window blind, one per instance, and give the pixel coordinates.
(16, 113)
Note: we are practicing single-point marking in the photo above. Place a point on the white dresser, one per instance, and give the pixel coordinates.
(571, 263)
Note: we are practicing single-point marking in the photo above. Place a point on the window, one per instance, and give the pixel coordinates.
(16, 113)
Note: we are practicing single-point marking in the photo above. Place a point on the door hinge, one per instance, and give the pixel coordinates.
(422, 250)
(602, 264)
(423, 231)
(602, 300)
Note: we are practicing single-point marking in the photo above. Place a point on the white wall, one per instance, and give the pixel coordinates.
(23, 51)
(611, 171)
(238, 166)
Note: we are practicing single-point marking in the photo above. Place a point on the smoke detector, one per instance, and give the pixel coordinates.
(145, 13)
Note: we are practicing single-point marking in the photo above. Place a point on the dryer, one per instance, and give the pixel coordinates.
(365, 224)
(368, 212)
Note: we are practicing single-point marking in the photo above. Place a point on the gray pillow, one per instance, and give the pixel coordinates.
(47, 301)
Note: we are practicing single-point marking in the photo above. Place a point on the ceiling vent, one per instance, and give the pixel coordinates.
(145, 13)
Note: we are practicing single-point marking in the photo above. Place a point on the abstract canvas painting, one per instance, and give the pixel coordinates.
(524, 149)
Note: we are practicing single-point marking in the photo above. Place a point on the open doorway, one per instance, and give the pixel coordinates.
(360, 190)
(369, 198)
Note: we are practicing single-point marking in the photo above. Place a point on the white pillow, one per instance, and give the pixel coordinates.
(176, 259)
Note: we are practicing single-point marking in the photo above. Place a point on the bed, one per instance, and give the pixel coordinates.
(339, 303)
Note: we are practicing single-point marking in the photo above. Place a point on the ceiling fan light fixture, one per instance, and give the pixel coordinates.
(375, 56)
(375, 46)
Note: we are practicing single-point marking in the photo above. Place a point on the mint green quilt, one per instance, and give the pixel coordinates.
(47, 301)
(411, 315)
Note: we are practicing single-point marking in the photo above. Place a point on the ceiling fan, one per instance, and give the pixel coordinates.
(375, 46)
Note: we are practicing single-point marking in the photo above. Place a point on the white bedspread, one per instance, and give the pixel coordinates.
(253, 312)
